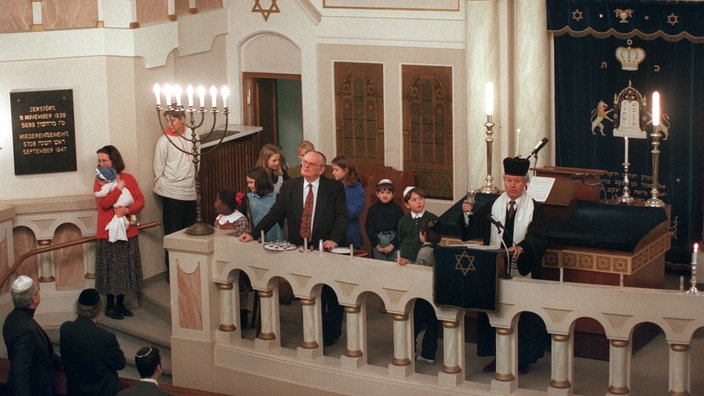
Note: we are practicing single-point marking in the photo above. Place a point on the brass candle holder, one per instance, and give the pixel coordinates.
(489, 188)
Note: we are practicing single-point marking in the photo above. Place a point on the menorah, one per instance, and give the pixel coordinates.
(193, 122)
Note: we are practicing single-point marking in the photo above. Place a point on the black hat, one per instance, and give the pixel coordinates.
(516, 166)
(89, 297)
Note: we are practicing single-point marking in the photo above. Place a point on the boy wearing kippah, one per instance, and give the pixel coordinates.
(409, 225)
(382, 221)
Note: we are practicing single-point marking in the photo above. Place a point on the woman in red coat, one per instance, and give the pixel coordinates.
(118, 266)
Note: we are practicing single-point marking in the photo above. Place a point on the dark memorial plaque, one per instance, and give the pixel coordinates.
(466, 278)
(43, 131)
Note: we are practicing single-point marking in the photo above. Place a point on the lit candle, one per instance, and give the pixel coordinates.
(167, 93)
(656, 109)
(625, 150)
(489, 99)
(225, 92)
(177, 92)
(694, 254)
(201, 95)
(262, 236)
(189, 93)
(214, 95)
(157, 93)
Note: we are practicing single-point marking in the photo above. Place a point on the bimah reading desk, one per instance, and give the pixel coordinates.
(599, 244)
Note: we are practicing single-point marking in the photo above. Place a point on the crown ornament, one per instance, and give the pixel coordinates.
(630, 57)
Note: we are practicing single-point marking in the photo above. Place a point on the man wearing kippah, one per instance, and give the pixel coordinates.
(148, 362)
(90, 354)
(32, 358)
(524, 237)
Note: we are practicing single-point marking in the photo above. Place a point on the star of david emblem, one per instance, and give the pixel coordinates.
(673, 19)
(465, 263)
(577, 15)
(273, 8)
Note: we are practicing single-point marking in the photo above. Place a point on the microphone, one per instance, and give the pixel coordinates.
(537, 147)
(495, 222)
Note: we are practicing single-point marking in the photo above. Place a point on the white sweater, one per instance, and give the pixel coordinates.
(174, 172)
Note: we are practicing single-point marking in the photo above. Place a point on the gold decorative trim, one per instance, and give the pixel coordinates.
(173, 18)
(193, 10)
(502, 331)
(400, 316)
(309, 344)
(619, 343)
(100, 24)
(618, 390)
(679, 347)
(682, 393)
(44, 242)
(353, 310)
(228, 328)
(560, 384)
(45, 279)
(307, 301)
(134, 25)
(89, 275)
(265, 293)
(266, 336)
(451, 369)
(402, 5)
(353, 354)
(401, 362)
(450, 324)
(224, 286)
(504, 377)
(560, 337)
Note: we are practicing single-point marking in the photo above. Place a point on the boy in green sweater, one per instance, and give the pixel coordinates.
(409, 225)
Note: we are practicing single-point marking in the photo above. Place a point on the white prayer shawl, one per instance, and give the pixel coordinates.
(524, 215)
(117, 227)
(231, 218)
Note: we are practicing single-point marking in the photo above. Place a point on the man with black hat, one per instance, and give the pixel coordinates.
(524, 236)
(32, 358)
(90, 354)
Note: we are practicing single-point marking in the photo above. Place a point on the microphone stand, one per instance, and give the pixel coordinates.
(507, 270)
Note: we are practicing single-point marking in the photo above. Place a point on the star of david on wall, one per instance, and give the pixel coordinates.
(463, 259)
(273, 8)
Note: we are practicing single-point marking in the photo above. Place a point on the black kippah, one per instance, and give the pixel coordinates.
(89, 297)
(516, 166)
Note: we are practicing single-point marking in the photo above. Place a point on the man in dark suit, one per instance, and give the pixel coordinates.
(32, 358)
(90, 354)
(328, 223)
(148, 362)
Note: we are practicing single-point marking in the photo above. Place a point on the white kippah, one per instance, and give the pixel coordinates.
(383, 181)
(409, 188)
(22, 283)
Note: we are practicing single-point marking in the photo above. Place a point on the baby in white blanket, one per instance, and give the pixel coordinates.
(117, 227)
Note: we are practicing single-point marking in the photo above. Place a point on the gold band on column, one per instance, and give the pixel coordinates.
(353, 354)
(401, 362)
(502, 331)
(679, 347)
(265, 293)
(266, 336)
(450, 324)
(504, 377)
(619, 343)
(309, 344)
(307, 301)
(673, 393)
(399, 317)
(618, 390)
(560, 337)
(560, 384)
(451, 369)
(353, 310)
(230, 327)
(224, 286)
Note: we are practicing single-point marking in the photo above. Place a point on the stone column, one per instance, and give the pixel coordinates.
(401, 363)
(619, 367)
(504, 355)
(265, 302)
(679, 370)
(451, 373)
(560, 362)
(352, 323)
(89, 257)
(226, 321)
(47, 273)
(308, 308)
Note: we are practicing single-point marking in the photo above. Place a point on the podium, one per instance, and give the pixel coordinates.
(466, 277)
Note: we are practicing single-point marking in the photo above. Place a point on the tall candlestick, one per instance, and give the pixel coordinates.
(625, 149)
(489, 99)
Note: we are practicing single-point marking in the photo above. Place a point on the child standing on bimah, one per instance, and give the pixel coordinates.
(382, 222)
(117, 227)
(409, 225)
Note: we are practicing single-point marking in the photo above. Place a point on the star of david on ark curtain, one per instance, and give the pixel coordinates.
(273, 8)
(465, 263)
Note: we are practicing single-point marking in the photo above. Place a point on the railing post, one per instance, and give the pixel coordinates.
(308, 308)
(679, 370)
(619, 367)
(401, 362)
(355, 319)
(89, 256)
(505, 380)
(226, 318)
(451, 373)
(47, 274)
(560, 363)
(265, 304)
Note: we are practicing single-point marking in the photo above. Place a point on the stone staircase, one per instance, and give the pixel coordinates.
(150, 325)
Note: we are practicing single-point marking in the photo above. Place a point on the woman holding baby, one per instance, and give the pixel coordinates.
(118, 266)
